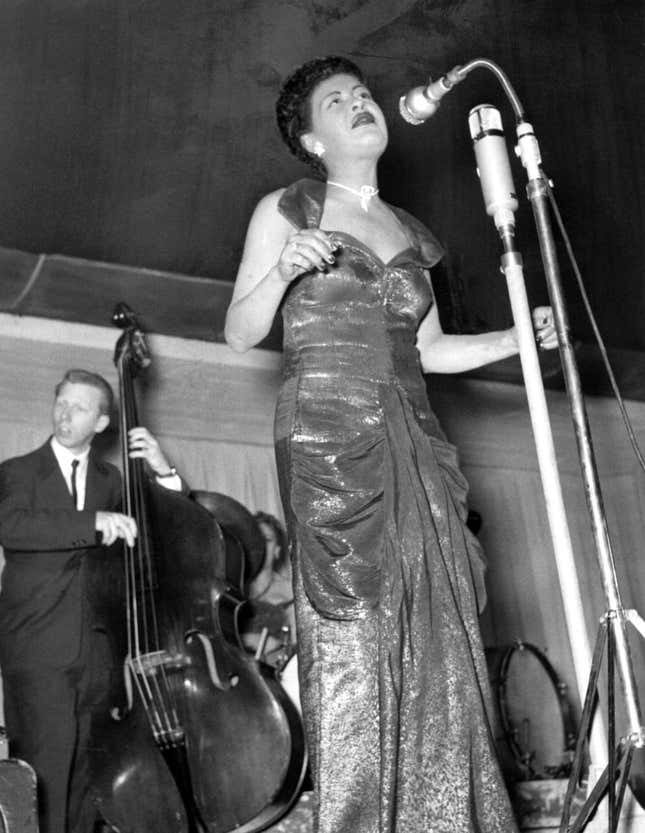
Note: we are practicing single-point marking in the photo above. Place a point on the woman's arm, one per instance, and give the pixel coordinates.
(274, 255)
(443, 353)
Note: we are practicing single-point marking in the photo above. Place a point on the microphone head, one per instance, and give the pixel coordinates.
(405, 112)
(415, 106)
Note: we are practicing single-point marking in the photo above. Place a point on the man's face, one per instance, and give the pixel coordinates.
(271, 546)
(77, 417)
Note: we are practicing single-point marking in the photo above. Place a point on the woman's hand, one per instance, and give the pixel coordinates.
(544, 328)
(142, 444)
(305, 250)
(275, 254)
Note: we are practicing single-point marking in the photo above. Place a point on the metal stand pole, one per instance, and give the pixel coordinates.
(616, 617)
(560, 538)
(511, 264)
(614, 778)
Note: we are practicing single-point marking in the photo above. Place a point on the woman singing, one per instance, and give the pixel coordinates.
(387, 576)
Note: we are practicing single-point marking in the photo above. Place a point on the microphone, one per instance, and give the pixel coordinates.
(493, 167)
(422, 102)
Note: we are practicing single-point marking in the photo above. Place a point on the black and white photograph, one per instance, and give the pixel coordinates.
(322, 416)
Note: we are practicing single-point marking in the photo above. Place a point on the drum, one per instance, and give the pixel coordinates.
(18, 802)
(533, 724)
(289, 680)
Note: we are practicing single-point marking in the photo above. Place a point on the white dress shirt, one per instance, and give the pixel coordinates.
(65, 457)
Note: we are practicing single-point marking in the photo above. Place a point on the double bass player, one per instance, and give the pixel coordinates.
(57, 505)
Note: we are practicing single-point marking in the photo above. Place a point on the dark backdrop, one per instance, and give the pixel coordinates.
(141, 131)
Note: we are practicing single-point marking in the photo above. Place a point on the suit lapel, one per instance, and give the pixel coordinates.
(52, 486)
(98, 487)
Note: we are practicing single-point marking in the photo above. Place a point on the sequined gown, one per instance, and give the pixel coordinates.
(387, 576)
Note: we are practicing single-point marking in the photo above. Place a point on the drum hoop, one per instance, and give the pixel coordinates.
(566, 710)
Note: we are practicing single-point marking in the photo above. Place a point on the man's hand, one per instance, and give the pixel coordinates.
(142, 444)
(113, 525)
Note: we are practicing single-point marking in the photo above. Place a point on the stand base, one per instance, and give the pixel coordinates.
(538, 806)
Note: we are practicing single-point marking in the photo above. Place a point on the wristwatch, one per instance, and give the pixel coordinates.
(171, 473)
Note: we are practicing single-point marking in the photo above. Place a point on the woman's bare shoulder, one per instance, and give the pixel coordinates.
(267, 216)
(270, 201)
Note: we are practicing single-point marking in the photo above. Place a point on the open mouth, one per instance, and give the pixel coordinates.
(363, 118)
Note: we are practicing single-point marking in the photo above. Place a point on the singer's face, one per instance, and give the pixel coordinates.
(345, 117)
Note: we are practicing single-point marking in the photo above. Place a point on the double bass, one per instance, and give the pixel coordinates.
(200, 737)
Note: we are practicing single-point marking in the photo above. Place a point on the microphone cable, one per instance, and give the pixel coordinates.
(592, 320)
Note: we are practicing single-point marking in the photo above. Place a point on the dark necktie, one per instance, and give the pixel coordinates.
(74, 491)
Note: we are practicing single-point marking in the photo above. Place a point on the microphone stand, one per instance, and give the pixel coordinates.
(612, 634)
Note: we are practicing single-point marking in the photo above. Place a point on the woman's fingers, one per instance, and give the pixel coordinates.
(542, 316)
(306, 250)
(543, 324)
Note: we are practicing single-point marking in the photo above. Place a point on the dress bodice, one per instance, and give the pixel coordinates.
(355, 324)
(362, 306)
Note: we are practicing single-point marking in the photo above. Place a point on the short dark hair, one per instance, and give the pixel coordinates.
(77, 376)
(280, 537)
(293, 107)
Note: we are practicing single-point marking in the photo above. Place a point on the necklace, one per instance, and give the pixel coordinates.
(365, 193)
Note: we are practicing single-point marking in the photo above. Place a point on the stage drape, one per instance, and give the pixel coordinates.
(213, 412)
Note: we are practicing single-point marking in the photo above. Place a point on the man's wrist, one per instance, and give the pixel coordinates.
(172, 472)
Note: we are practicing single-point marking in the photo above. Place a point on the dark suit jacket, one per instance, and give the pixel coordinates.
(45, 539)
